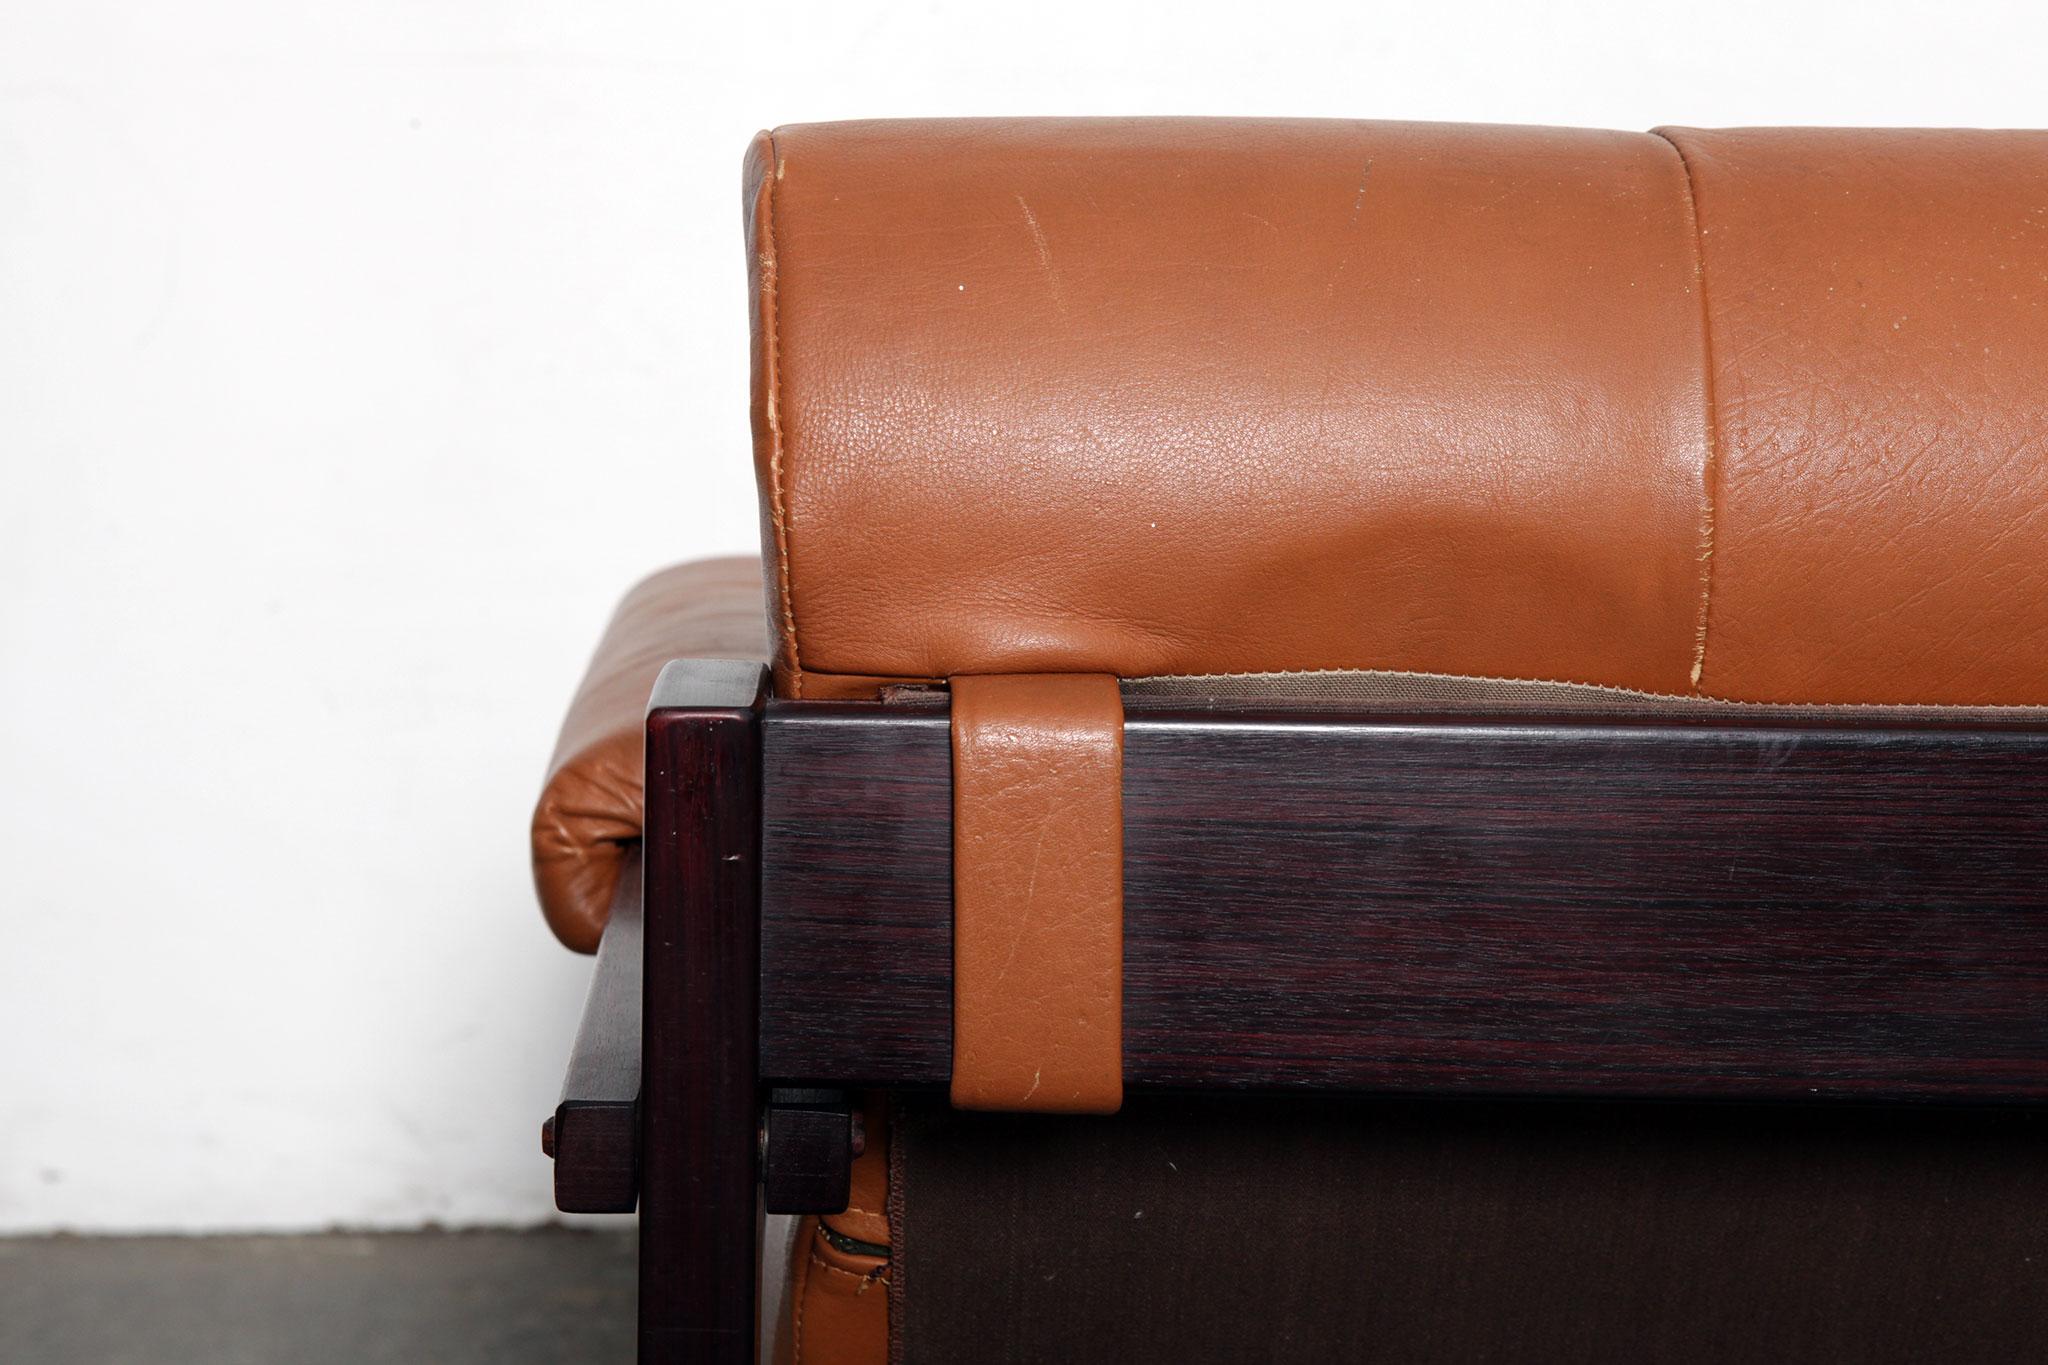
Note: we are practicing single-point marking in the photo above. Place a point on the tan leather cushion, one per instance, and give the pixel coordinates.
(591, 806)
(1751, 415)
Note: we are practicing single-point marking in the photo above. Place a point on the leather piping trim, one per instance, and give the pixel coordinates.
(771, 286)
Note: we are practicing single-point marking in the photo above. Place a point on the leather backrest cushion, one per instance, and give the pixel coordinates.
(1752, 415)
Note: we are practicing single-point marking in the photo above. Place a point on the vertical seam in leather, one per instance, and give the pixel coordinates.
(772, 281)
(1710, 473)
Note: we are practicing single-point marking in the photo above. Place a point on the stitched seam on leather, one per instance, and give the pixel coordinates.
(1711, 473)
(869, 1278)
(772, 286)
(1610, 688)
(800, 1287)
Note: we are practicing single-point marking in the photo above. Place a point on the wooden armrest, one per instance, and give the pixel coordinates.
(594, 1135)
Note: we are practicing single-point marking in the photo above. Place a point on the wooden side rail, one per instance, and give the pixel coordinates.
(700, 1115)
(662, 1107)
(594, 1135)
(1458, 905)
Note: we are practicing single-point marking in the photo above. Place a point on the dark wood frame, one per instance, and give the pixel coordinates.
(1657, 906)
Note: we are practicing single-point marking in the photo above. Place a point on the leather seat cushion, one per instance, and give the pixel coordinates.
(1750, 415)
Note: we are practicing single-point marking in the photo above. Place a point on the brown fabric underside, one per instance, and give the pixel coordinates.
(1183, 1231)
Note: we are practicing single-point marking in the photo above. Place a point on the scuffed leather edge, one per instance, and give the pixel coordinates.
(762, 172)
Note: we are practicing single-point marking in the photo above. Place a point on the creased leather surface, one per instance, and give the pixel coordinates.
(1038, 893)
(590, 808)
(1747, 414)
(1879, 304)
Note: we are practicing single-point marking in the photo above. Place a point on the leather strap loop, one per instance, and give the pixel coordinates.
(1038, 893)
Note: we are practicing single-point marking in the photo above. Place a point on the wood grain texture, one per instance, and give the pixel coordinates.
(807, 1151)
(700, 1217)
(1551, 909)
(1456, 905)
(857, 890)
(595, 1135)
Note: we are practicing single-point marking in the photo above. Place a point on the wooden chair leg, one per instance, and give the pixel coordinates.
(700, 1210)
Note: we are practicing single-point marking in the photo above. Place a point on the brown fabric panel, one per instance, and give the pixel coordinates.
(1038, 868)
(591, 805)
(1183, 1231)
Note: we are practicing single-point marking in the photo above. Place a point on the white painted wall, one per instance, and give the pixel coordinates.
(353, 357)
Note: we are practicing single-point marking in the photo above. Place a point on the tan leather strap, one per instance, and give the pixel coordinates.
(1038, 866)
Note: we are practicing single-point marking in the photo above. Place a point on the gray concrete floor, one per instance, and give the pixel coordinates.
(444, 1298)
